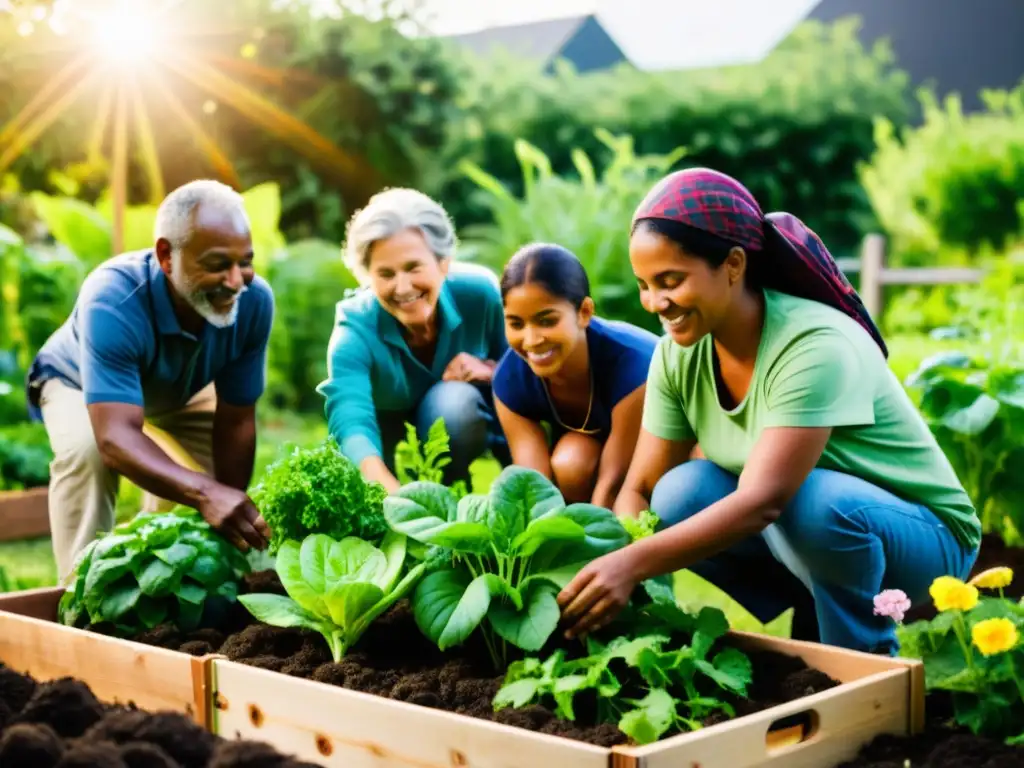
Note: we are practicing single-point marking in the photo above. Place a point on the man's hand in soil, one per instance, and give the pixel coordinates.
(232, 513)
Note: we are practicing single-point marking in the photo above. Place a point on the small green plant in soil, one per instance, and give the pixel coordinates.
(973, 650)
(511, 551)
(319, 490)
(336, 588)
(645, 524)
(169, 567)
(657, 677)
(424, 461)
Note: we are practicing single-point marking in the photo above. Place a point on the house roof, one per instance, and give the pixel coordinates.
(652, 34)
(532, 40)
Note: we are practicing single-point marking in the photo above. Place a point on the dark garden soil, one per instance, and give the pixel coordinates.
(993, 552)
(395, 660)
(940, 745)
(61, 724)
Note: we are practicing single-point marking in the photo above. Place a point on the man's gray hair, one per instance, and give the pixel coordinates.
(174, 217)
(390, 212)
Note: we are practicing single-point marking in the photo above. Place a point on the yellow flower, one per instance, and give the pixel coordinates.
(994, 635)
(993, 578)
(951, 594)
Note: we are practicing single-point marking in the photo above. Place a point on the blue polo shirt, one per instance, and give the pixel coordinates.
(620, 354)
(123, 343)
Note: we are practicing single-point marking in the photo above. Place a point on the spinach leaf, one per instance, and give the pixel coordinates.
(510, 552)
(169, 567)
(336, 588)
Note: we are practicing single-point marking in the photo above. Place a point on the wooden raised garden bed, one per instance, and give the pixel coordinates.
(340, 727)
(24, 514)
(334, 726)
(117, 671)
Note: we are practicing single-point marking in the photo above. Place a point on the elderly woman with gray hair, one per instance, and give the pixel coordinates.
(419, 342)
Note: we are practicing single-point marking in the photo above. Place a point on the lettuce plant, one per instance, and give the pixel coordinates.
(168, 567)
(336, 587)
(511, 552)
(317, 489)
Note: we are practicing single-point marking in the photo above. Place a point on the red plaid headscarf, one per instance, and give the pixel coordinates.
(800, 263)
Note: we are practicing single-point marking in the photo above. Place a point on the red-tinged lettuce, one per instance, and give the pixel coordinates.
(319, 490)
(511, 552)
(170, 567)
(336, 588)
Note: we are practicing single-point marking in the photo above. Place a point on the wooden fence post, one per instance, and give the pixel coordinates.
(872, 263)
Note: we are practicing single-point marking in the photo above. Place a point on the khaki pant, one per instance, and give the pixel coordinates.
(83, 492)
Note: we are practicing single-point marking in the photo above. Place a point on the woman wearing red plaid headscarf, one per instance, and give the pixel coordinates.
(821, 485)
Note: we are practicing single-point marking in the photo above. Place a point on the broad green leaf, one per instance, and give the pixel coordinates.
(560, 575)
(348, 602)
(191, 593)
(530, 627)
(353, 560)
(448, 606)
(189, 615)
(427, 512)
(179, 556)
(119, 601)
(474, 508)
(103, 573)
(653, 716)
(974, 419)
(517, 694)
(151, 612)
(630, 650)
(546, 529)
(279, 611)
(314, 555)
(111, 544)
(711, 625)
(565, 690)
(157, 578)
(209, 571)
(731, 669)
(419, 500)
(514, 494)
(289, 570)
(393, 546)
(604, 532)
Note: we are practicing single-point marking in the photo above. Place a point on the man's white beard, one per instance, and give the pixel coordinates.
(198, 299)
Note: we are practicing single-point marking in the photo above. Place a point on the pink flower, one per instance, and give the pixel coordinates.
(892, 603)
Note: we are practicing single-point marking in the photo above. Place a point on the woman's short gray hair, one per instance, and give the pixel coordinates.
(390, 212)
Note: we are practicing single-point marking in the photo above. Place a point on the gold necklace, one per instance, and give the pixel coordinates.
(590, 404)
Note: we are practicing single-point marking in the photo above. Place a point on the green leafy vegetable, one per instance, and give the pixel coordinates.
(640, 527)
(511, 551)
(318, 490)
(169, 567)
(683, 682)
(417, 461)
(336, 587)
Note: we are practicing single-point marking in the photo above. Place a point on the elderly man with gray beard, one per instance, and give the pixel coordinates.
(174, 337)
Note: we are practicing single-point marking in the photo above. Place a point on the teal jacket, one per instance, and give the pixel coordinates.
(370, 367)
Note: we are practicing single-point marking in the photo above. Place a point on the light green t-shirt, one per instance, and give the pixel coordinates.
(816, 367)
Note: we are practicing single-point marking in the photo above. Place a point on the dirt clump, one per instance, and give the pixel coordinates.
(66, 705)
(15, 688)
(139, 754)
(25, 744)
(183, 740)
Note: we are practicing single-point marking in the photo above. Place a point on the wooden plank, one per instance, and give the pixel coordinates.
(337, 727)
(842, 720)
(117, 671)
(931, 275)
(24, 514)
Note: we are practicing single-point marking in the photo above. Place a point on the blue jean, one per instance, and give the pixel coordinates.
(838, 543)
(469, 417)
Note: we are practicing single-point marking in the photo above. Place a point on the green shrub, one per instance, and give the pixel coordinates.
(309, 279)
(586, 214)
(792, 127)
(25, 456)
(950, 188)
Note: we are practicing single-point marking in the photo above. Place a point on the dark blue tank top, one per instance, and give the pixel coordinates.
(620, 355)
